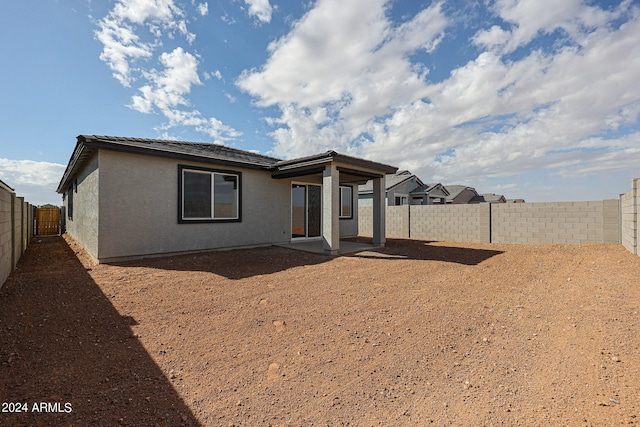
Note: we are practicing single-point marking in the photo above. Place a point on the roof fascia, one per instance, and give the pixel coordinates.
(71, 166)
(6, 187)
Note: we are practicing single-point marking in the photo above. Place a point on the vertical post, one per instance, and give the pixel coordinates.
(331, 209)
(22, 235)
(379, 210)
(634, 212)
(13, 231)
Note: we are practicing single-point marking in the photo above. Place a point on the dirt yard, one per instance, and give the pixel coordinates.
(416, 334)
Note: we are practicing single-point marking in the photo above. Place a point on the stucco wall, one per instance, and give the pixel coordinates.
(464, 197)
(84, 224)
(349, 227)
(367, 200)
(139, 209)
(401, 190)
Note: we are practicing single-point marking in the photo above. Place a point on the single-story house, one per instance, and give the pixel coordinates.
(131, 197)
(429, 194)
(403, 188)
(460, 194)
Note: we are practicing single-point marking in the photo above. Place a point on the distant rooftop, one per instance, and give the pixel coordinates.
(391, 181)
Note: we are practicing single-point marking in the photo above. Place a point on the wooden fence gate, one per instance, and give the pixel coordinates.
(47, 221)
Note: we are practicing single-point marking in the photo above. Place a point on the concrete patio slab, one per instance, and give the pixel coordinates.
(315, 246)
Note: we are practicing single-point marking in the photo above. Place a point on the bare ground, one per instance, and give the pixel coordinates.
(419, 333)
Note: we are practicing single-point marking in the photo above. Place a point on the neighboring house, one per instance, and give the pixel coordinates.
(397, 188)
(488, 198)
(132, 197)
(460, 194)
(515, 200)
(429, 194)
(404, 188)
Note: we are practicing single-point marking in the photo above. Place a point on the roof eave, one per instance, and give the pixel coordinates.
(332, 156)
(162, 152)
(72, 165)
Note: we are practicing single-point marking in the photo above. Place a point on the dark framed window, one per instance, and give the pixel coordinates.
(70, 202)
(346, 202)
(208, 195)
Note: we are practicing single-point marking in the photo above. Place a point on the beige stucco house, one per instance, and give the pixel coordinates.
(132, 197)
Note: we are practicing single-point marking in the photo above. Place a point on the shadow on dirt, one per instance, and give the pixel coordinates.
(269, 260)
(421, 250)
(265, 260)
(63, 343)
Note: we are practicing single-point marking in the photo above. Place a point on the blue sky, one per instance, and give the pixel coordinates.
(533, 99)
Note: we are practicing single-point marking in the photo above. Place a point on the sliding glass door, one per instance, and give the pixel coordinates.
(306, 210)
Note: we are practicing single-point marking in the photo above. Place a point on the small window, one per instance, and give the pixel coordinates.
(401, 200)
(208, 195)
(346, 202)
(70, 202)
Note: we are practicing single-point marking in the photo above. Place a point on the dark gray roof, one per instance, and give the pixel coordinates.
(391, 180)
(331, 155)
(3, 184)
(434, 189)
(198, 151)
(208, 152)
(455, 190)
(491, 198)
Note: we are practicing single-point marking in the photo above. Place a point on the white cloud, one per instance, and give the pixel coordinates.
(123, 46)
(346, 64)
(343, 79)
(203, 9)
(261, 9)
(169, 86)
(162, 90)
(529, 18)
(35, 181)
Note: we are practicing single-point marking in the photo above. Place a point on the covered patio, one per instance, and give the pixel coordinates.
(326, 174)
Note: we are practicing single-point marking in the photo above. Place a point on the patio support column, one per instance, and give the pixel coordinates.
(331, 209)
(379, 211)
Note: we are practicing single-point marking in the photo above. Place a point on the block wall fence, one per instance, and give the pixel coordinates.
(629, 207)
(16, 230)
(610, 221)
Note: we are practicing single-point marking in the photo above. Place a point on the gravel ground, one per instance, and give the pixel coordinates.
(419, 333)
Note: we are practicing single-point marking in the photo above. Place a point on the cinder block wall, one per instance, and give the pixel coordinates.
(397, 221)
(629, 206)
(528, 223)
(16, 230)
(555, 222)
(365, 219)
(6, 227)
(462, 223)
